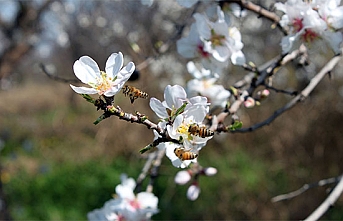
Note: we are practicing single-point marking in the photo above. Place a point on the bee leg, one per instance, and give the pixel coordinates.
(132, 99)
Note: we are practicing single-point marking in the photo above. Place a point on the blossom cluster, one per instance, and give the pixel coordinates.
(126, 205)
(178, 113)
(309, 21)
(213, 42)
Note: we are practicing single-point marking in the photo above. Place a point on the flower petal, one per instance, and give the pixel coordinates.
(158, 108)
(86, 69)
(147, 200)
(193, 192)
(182, 177)
(126, 72)
(84, 90)
(114, 63)
(174, 96)
(125, 192)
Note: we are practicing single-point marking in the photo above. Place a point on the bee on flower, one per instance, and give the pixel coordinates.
(192, 113)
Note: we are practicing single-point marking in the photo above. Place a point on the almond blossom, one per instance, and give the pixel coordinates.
(126, 206)
(178, 113)
(307, 24)
(204, 84)
(193, 47)
(174, 98)
(220, 40)
(107, 82)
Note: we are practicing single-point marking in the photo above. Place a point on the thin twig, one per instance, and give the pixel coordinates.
(330, 200)
(54, 77)
(154, 170)
(263, 12)
(304, 188)
(145, 170)
(300, 97)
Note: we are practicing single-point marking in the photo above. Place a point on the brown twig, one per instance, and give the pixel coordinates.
(56, 78)
(263, 12)
(306, 187)
(300, 97)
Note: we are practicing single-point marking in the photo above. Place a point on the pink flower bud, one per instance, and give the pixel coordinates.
(210, 171)
(182, 177)
(193, 192)
(263, 94)
(249, 102)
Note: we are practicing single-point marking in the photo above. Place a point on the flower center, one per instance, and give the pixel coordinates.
(183, 129)
(104, 83)
(298, 24)
(216, 39)
(135, 204)
(309, 35)
(202, 52)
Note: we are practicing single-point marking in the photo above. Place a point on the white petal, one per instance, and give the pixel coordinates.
(187, 3)
(221, 53)
(182, 177)
(158, 108)
(113, 91)
(84, 90)
(147, 200)
(126, 72)
(174, 96)
(147, 2)
(210, 171)
(114, 63)
(238, 58)
(185, 48)
(125, 192)
(334, 39)
(86, 69)
(193, 192)
(203, 26)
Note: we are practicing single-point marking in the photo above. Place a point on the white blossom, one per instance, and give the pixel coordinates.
(308, 25)
(219, 39)
(127, 205)
(204, 84)
(178, 113)
(107, 82)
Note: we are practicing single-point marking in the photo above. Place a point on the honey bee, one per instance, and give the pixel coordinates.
(134, 93)
(183, 154)
(200, 131)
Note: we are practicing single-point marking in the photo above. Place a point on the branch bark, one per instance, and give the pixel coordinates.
(330, 200)
(300, 97)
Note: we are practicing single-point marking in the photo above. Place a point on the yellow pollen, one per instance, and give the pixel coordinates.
(183, 129)
(104, 83)
(216, 39)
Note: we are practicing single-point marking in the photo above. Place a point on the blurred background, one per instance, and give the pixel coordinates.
(56, 165)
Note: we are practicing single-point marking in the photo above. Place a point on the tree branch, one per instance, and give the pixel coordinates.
(304, 188)
(300, 97)
(263, 12)
(330, 200)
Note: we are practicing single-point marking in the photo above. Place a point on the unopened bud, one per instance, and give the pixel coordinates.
(249, 102)
(210, 171)
(182, 177)
(193, 192)
(263, 94)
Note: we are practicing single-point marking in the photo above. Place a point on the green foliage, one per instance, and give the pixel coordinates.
(65, 191)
